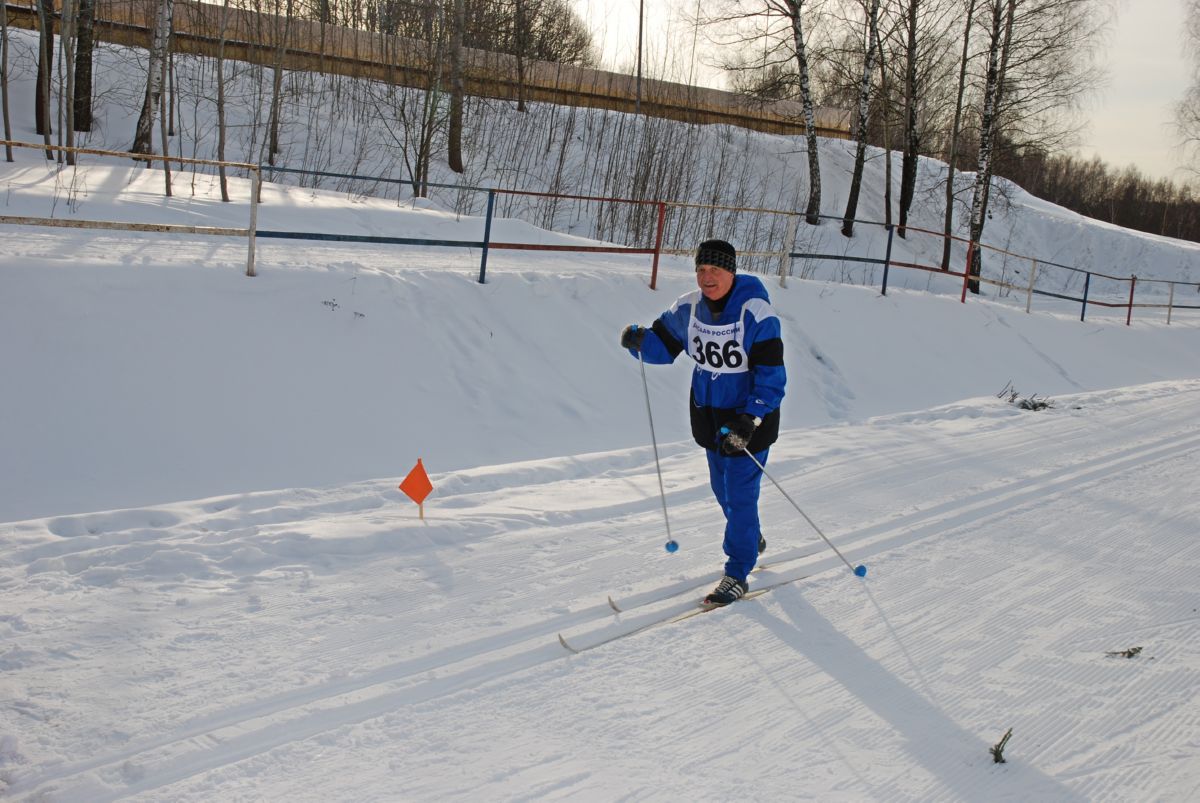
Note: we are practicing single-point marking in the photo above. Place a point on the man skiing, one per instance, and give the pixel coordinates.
(731, 331)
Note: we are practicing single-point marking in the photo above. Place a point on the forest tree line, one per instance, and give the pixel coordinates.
(1125, 197)
(987, 86)
(994, 87)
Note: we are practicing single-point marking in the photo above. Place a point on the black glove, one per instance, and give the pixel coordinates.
(632, 337)
(736, 434)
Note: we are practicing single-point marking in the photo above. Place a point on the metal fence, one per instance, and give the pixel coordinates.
(779, 233)
(75, 223)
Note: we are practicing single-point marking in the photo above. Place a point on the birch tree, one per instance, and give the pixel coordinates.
(999, 37)
(777, 32)
(1041, 63)
(155, 72)
(793, 10)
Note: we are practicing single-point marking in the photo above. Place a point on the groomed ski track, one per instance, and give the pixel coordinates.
(1008, 551)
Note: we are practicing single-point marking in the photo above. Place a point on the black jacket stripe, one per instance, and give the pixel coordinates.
(767, 352)
(668, 339)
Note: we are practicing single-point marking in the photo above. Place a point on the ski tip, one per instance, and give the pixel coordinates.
(566, 646)
(613, 605)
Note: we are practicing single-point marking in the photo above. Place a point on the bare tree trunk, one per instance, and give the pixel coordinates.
(67, 38)
(221, 102)
(277, 84)
(424, 156)
(142, 133)
(860, 125)
(454, 146)
(435, 37)
(163, 116)
(812, 213)
(1005, 51)
(887, 136)
(142, 137)
(85, 39)
(520, 45)
(954, 134)
(172, 97)
(429, 121)
(45, 70)
(8, 151)
(988, 129)
(912, 139)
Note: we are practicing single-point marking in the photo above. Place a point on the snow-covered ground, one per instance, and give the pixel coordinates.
(328, 645)
(211, 589)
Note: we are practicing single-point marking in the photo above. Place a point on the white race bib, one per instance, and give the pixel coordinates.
(717, 347)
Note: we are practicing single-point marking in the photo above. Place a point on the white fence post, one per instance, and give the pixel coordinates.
(1029, 291)
(789, 241)
(255, 189)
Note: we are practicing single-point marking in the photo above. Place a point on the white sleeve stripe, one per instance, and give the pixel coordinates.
(760, 308)
(687, 298)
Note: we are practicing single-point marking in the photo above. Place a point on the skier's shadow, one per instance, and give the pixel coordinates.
(958, 759)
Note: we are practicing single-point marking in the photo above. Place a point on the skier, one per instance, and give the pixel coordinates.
(731, 331)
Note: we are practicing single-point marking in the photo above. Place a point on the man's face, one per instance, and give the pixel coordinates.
(714, 282)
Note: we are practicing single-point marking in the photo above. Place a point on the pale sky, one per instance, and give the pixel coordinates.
(1148, 74)
(1129, 119)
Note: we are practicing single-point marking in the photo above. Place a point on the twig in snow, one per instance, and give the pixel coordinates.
(1010, 394)
(1132, 652)
(998, 748)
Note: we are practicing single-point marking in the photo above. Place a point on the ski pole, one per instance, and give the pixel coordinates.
(671, 545)
(860, 570)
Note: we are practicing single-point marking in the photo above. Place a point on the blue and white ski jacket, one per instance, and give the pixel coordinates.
(738, 357)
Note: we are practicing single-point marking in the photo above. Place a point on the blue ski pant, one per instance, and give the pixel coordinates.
(736, 482)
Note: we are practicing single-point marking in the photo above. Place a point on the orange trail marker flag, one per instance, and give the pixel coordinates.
(417, 486)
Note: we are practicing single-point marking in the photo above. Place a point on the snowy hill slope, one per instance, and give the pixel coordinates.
(149, 369)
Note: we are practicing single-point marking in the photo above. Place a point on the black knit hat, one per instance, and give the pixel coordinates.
(718, 253)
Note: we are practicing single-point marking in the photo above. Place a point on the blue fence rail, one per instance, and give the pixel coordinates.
(970, 282)
(785, 253)
(486, 245)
